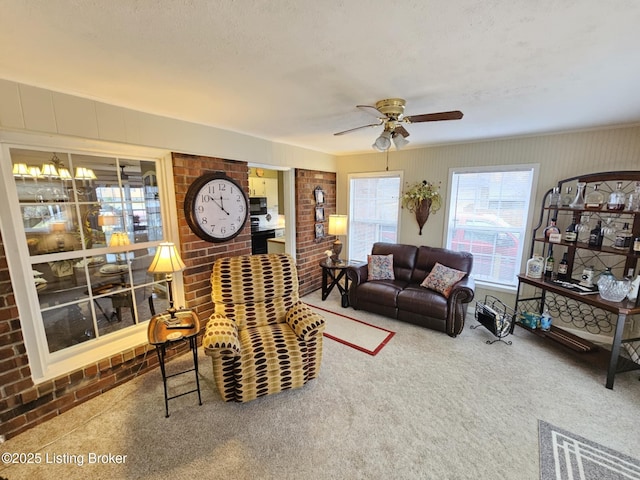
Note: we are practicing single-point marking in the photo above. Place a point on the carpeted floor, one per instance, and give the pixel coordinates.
(426, 407)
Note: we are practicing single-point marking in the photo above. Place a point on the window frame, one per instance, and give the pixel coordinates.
(526, 230)
(384, 174)
(43, 364)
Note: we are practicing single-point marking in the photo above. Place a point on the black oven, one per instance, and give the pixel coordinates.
(258, 205)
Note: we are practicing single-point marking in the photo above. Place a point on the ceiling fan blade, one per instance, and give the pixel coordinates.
(358, 128)
(434, 117)
(371, 110)
(402, 131)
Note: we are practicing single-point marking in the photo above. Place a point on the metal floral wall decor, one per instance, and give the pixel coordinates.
(422, 198)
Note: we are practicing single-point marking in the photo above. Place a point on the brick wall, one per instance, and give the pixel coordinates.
(24, 405)
(197, 254)
(309, 249)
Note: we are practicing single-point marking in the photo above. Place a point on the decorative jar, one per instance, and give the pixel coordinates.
(612, 289)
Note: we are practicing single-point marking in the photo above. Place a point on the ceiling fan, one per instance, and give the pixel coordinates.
(390, 113)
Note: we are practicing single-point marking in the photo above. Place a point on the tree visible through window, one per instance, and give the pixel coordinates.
(374, 200)
(488, 212)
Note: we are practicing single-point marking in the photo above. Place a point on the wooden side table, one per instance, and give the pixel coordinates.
(332, 274)
(162, 334)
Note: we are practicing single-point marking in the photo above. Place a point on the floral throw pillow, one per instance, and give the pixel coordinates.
(380, 267)
(442, 279)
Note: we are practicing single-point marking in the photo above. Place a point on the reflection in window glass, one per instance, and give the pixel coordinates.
(488, 211)
(86, 221)
(67, 326)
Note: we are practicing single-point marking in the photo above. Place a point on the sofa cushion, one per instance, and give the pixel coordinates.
(380, 267)
(404, 258)
(442, 279)
(381, 292)
(419, 300)
(427, 257)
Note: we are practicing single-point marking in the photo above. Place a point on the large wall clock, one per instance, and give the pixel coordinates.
(216, 207)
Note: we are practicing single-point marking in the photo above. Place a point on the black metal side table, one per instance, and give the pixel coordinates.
(164, 331)
(332, 274)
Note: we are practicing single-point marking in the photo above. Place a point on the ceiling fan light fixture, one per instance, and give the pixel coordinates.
(383, 142)
(399, 141)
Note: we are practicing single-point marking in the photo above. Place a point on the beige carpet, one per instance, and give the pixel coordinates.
(426, 407)
(352, 332)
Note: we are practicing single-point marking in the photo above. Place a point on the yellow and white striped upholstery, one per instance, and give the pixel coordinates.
(261, 338)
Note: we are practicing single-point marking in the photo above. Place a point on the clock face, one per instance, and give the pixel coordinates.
(216, 207)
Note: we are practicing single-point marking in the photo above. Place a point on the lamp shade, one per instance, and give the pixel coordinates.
(399, 141)
(35, 172)
(337, 224)
(383, 142)
(49, 170)
(20, 170)
(83, 173)
(108, 220)
(167, 259)
(119, 239)
(64, 173)
(58, 227)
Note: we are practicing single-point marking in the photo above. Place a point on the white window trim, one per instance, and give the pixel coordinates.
(378, 174)
(531, 211)
(45, 366)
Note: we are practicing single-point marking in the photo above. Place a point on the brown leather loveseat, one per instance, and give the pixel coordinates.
(404, 298)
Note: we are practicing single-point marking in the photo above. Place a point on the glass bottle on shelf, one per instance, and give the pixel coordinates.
(578, 201)
(570, 234)
(633, 200)
(594, 199)
(554, 199)
(623, 238)
(567, 198)
(549, 265)
(595, 236)
(616, 198)
(551, 228)
(563, 267)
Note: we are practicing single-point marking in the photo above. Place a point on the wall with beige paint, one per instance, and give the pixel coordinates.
(559, 156)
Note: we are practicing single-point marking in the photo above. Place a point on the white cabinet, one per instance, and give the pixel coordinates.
(257, 187)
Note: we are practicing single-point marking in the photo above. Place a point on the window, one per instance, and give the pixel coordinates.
(374, 202)
(488, 214)
(86, 227)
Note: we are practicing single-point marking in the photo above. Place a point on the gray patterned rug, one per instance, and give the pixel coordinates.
(565, 456)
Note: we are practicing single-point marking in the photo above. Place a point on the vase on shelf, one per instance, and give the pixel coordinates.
(578, 202)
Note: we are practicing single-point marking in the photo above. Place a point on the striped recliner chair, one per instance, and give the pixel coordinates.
(261, 338)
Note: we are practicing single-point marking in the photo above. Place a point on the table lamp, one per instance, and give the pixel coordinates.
(337, 226)
(119, 239)
(167, 261)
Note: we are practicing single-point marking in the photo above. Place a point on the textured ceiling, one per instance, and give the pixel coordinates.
(292, 71)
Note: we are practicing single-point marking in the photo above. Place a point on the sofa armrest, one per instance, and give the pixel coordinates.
(221, 337)
(463, 291)
(357, 274)
(304, 322)
(457, 302)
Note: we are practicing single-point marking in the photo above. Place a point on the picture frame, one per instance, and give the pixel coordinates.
(319, 214)
(319, 195)
(319, 231)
